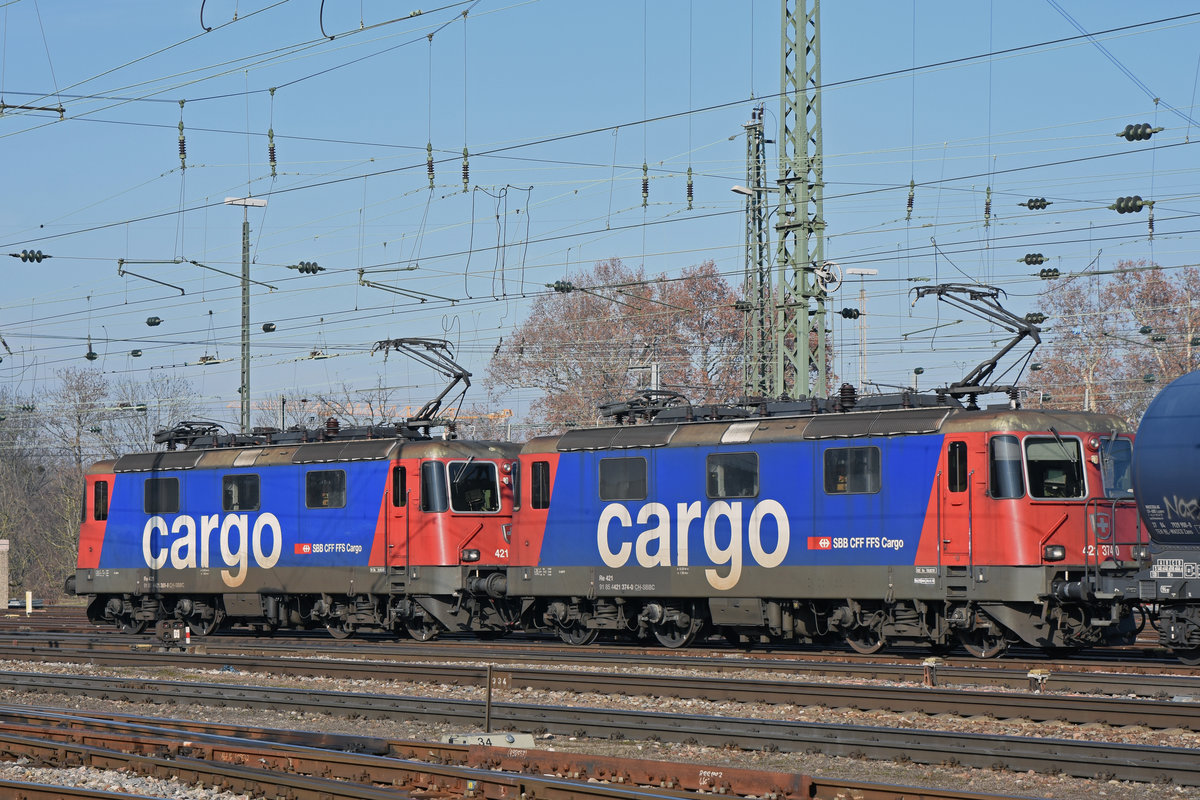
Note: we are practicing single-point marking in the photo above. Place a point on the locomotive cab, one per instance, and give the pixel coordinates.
(1034, 504)
(448, 516)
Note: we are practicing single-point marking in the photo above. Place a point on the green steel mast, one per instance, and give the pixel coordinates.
(800, 363)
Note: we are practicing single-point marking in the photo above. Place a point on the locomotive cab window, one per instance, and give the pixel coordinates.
(1005, 479)
(325, 488)
(539, 485)
(239, 493)
(1116, 461)
(399, 486)
(956, 467)
(161, 496)
(622, 479)
(433, 487)
(1055, 467)
(100, 500)
(474, 486)
(732, 475)
(852, 470)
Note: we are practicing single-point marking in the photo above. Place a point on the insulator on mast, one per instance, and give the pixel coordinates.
(912, 189)
(466, 171)
(1150, 222)
(645, 184)
(271, 136)
(690, 193)
(987, 208)
(429, 162)
(182, 141)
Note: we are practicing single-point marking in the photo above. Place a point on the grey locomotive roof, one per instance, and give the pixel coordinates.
(310, 453)
(847, 425)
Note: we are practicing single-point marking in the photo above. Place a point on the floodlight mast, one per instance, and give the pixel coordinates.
(244, 389)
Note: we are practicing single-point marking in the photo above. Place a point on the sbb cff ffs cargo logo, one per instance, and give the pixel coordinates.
(303, 549)
(820, 543)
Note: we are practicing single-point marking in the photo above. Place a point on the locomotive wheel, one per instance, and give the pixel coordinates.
(201, 626)
(578, 636)
(673, 637)
(339, 630)
(983, 644)
(127, 624)
(423, 630)
(1189, 657)
(670, 635)
(864, 641)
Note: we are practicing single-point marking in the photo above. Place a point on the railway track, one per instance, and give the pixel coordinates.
(304, 765)
(1040, 706)
(1085, 759)
(1099, 678)
(67, 625)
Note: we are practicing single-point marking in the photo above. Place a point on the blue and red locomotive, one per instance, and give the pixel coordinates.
(905, 519)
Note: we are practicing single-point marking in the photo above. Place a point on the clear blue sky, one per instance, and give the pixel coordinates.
(549, 97)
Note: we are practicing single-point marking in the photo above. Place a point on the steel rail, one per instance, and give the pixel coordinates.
(1130, 677)
(445, 767)
(1106, 760)
(1180, 712)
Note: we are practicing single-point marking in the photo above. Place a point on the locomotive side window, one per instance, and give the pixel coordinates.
(852, 470)
(1055, 467)
(399, 486)
(1116, 461)
(239, 493)
(732, 475)
(100, 500)
(161, 496)
(956, 467)
(1004, 469)
(516, 485)
(325, 488)
(539, 485)
(622, 479)
(433, 487)
(474, 486)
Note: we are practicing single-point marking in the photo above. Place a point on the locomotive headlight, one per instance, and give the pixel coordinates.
(1054, 552)
(470, 555)
(1094, 443)
(1141, 552)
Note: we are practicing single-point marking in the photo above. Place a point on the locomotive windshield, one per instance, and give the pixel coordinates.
(1055, 467)
(474, 486)
(1116, 459)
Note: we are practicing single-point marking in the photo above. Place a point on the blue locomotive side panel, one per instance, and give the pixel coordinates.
(794, 513)
(291, 516)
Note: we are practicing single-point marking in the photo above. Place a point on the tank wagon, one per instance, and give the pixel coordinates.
(1166, 483)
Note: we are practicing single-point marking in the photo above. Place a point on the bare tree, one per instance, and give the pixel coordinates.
(605, 332)
(1118, 337)
(141, 408)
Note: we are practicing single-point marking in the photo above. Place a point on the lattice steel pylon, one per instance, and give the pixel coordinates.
(758, 339)
(800, 365)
